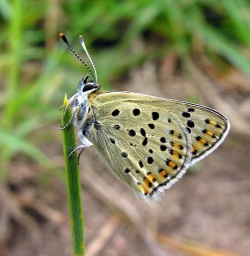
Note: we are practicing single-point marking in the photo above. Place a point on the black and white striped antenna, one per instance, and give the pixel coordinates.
(63, 37)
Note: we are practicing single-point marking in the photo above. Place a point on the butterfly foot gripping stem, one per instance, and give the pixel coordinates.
(85, 144)
(81, 148)
(65, 127)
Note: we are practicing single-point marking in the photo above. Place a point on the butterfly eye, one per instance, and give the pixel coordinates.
(89, 86)
(85, 85)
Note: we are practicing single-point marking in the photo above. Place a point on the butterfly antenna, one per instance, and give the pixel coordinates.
(63, 37)
(92, 63)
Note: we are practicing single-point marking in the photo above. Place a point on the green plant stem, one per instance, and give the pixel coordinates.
(73, 185)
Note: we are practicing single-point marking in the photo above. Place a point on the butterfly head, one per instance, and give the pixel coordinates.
(80, 101)
(86, 87)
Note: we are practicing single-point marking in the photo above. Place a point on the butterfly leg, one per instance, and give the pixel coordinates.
(76, 111)
(85, 144)
(78, 157)
(81, 148)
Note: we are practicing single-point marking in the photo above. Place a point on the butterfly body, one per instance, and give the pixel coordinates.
(147, 142)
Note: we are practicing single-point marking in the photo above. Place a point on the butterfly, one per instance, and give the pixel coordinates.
(147, 142)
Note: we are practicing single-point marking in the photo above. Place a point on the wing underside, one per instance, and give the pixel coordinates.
(149, 142)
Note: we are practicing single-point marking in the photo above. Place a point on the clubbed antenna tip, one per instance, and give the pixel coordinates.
(64, 38)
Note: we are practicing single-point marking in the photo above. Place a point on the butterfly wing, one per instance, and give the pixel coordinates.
(149, 142)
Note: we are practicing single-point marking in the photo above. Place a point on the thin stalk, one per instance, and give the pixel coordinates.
(73, 186)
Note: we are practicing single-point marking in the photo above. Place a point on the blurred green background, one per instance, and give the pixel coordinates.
(36, 67)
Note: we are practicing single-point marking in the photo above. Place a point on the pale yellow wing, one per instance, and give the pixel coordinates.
(149, 142)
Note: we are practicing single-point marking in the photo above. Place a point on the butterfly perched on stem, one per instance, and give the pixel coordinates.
(147, 142)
